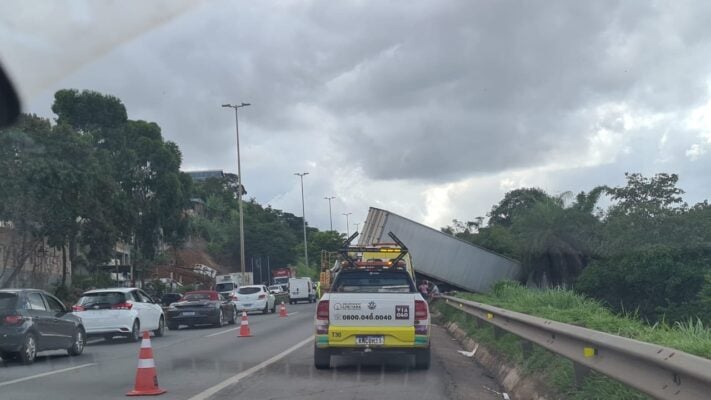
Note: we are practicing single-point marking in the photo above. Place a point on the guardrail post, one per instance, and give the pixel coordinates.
(526, 348)
(498, 332)
(480, 323)
(581, 372)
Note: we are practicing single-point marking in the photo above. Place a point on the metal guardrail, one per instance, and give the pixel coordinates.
(661, 372)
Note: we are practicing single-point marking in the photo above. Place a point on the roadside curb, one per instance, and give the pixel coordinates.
(511, 378)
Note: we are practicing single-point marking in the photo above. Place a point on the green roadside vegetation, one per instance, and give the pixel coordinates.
(568, 307)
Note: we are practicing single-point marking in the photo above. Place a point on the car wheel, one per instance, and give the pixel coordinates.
(161, 327)
(266, 308)
(233, 320)
(28, 352)
(422, 358)
(220, 319)
(322, 358)
(79, 340)
(135, 334)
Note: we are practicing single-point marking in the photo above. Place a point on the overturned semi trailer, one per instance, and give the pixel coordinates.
(440, 256)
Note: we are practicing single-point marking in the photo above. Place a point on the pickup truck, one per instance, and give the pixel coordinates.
(372, 308)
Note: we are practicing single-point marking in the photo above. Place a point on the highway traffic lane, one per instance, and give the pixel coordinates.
(451, 376)
(188, 361)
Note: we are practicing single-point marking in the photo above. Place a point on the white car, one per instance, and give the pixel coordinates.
(254, 298)
(119, 311)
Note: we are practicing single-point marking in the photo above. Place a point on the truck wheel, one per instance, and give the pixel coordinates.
(422, 358)
(322, 358)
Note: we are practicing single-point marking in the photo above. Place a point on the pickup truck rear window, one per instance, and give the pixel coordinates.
(373, 282)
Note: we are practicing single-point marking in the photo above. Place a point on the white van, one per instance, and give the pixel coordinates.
(301, 289)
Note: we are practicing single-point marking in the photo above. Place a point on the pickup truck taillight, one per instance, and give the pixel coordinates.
(421, 313)
(322, 317)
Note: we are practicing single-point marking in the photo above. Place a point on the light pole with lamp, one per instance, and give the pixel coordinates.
(239, 190)
(348, 231)
(330, 218)
(303, 214)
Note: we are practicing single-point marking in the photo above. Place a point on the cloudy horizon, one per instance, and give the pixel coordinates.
(429, 109)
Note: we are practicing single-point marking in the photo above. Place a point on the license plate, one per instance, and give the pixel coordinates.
(189, 313)
(370, 340)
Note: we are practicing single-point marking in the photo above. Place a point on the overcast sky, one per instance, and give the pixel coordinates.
(430, 109)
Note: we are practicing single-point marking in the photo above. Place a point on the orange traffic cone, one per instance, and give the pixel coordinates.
(146, 377)
(244, 326)
(282, 311)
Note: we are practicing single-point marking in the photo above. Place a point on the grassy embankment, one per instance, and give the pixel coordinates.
(568, 307)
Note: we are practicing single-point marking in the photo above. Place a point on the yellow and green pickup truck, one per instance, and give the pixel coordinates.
(373, 307)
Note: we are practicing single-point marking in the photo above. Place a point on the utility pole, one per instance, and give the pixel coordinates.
(239, 190)
(330, 216)
(303, 214)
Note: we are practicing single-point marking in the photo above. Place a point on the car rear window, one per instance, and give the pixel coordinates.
(7, 301)
(200, 296)
(248, 290)
(373, 282)
(224, 287)
(101, 300)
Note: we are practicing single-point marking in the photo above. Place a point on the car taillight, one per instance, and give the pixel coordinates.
(233, 297)
(322, 310)
(122, 306)
(322, 317)
(13, 319)
(77, 308)
(262, 296)
(420, 310)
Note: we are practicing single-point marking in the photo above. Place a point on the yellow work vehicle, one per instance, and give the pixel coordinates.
(373, 306)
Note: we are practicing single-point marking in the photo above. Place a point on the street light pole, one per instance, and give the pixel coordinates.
(357, 225)
(348, 231)
(330, 217)
(239, 191)
(303, 213)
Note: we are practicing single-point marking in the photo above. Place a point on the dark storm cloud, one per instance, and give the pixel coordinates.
(414, 93)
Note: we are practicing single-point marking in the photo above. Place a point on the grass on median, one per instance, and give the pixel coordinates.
(568, 307)
(571, 308)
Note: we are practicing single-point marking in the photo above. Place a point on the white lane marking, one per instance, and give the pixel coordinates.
(58, 371)
(230, 381)
(221, 332)
(292, 313)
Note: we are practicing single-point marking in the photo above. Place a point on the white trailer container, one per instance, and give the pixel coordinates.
(440, 256)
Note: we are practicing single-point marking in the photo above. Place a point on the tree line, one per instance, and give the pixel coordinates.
(648, 253)
(87, 181)
(93, 178)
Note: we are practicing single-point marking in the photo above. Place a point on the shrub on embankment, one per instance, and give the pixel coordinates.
(568, 307)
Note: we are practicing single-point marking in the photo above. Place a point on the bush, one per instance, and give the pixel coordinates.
(659, 283)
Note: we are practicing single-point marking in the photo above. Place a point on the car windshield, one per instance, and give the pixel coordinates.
(7, 301)
(224, 287)
(373, 282)
(249, 290)
(101, 300)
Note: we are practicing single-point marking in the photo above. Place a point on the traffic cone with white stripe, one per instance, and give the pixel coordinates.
(282, 311)
(244, 326)
(146, 377)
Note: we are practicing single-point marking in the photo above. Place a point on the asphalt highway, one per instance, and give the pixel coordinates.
(275, 363)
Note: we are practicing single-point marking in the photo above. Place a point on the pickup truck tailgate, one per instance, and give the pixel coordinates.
(373, 309)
